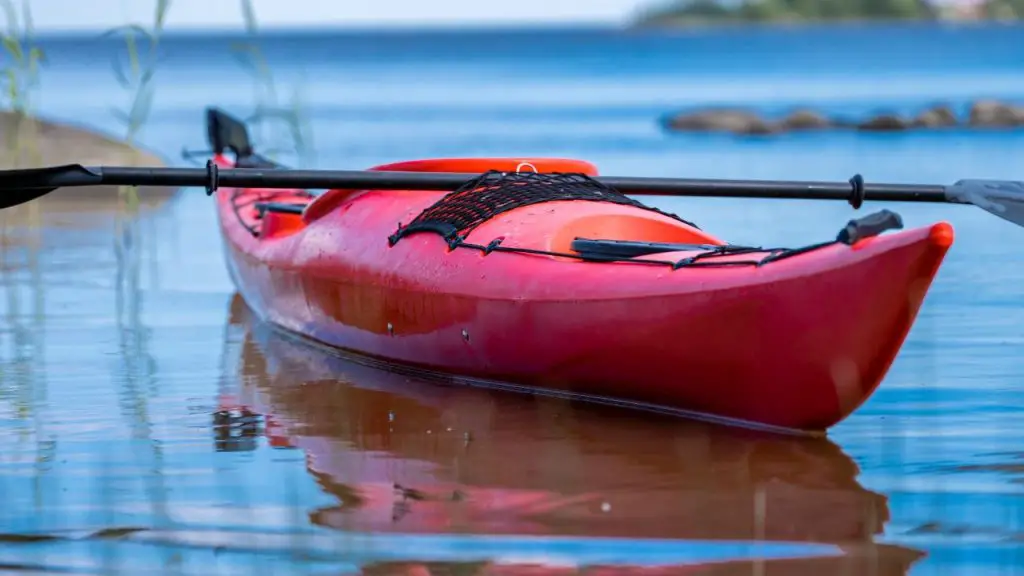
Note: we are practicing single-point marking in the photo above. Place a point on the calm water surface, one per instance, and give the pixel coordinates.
(147, 423)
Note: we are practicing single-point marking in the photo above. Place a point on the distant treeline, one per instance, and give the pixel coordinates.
(683, 12)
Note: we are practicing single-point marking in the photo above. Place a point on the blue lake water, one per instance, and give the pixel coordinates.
(122, 341)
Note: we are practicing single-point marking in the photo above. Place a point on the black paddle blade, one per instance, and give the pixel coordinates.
(27, 184)
(1004, 198)
(11, 198)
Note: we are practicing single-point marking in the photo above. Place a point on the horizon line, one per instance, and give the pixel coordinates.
(483, 25)
(354, 26)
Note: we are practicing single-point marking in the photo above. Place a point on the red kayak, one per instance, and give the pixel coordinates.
(536, 276)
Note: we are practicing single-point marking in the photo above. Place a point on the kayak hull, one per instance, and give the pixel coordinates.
(798, 343)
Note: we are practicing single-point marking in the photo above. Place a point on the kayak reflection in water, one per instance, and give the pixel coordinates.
(419, 457)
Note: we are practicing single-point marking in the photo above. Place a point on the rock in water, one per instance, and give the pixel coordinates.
(993, 114)
(30, 142)
(806, 120)
(883, 123)
(983, 114)
(722, 120)
(941, 116)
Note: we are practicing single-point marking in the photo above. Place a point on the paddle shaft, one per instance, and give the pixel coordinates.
(65, 176)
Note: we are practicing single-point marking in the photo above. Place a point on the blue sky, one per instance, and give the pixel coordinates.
(102, 14)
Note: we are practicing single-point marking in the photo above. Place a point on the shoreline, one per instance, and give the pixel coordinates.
(629, 24)
(724, 23)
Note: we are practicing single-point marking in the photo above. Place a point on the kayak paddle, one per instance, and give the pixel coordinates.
(1004, 198)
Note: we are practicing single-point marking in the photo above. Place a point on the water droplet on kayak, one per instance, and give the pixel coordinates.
(465, 335)
(606, 507)
(391, 416)
(391, 329)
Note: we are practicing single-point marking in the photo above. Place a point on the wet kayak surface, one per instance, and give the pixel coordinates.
(148, 423)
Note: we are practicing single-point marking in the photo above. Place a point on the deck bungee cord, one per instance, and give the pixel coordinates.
(495, 192)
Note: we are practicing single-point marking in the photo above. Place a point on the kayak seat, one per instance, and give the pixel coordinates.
(279, 219)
